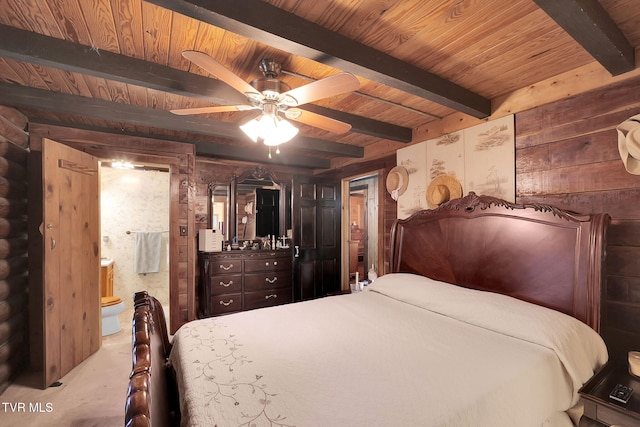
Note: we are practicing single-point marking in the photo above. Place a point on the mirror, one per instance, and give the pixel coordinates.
(219, 208)
(261, 205)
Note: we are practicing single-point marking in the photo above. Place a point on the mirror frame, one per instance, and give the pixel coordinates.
(210, 193)
(259, 172)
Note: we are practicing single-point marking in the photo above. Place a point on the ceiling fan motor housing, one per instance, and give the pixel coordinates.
(270, 88)
(269, 85)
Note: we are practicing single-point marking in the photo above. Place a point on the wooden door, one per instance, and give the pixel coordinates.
(66, 317)
(316, 237)
(267, 212)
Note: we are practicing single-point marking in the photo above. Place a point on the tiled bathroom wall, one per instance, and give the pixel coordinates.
(131, 201)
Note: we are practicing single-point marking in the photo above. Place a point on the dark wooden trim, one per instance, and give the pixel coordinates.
(77, 133)
(590, 25)
(327, 147)
(260, 155)
(364, 125)
(47, 51)
(71, 132)
(282, 30)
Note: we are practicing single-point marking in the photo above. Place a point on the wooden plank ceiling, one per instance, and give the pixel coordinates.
(116, 65)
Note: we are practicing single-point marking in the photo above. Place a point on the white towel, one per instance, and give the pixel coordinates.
(148, 250)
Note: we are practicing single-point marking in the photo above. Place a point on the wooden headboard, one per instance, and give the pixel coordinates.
(536, 253)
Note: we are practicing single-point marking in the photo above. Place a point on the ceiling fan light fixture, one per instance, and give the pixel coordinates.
(275, 98)
(270, 129)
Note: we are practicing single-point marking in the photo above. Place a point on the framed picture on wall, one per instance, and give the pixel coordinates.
(489, 159)
(480, 158)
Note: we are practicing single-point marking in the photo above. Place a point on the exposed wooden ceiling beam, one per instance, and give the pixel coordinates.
(365, 126)
(40, 99)
(90, 135)
(591, 26)
(260, 155)
(38, 49)
(275, 27)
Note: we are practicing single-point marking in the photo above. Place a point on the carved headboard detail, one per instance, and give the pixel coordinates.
(151, 374)
(535, 252)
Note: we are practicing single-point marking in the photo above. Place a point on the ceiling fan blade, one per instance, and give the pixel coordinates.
(207, 110)
(317, 120)
(324, 88)
(212, 66)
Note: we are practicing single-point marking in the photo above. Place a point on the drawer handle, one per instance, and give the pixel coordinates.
(226, 268)
(275, 262)
(228, 303)
(274, 296)
(266, 279)
(267, 263)
(226, 285)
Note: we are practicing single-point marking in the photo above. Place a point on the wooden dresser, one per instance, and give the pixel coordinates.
(243, 280)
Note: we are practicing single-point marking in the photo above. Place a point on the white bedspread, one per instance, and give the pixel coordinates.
(409, 351)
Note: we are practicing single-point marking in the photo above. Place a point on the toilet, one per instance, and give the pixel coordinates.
(111, 308)
(112, 305)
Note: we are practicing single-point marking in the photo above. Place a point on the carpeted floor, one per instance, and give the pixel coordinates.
(91, 395)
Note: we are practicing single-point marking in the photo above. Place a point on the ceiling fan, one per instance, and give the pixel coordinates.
(274, 98)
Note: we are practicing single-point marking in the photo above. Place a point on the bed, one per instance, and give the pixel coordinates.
(488, 317)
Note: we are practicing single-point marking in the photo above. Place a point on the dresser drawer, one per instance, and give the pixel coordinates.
(235, 281)
(225, 266)
(226, 303)
(267, 264)
(267, 298)
(225, 284)
(267, 280)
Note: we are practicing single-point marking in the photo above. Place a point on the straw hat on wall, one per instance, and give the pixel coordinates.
(629, 144)
(397, 181)
(443, 188)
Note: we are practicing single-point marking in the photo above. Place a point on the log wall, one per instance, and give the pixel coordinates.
(13, 245)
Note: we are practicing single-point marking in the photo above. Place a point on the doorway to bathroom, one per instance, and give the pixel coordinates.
(361, 222)
(135, 202)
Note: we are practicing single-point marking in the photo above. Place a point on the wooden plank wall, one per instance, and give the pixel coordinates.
(13, 245)
(180, 157)
(567, 156)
